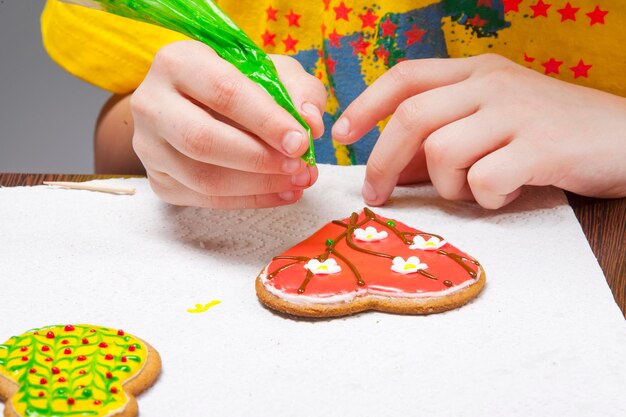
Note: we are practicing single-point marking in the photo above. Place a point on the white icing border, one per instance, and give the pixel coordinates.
(344, 298)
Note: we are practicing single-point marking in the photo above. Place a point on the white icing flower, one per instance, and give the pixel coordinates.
(433, 243)
(407, 267)
(329, 266)
(370, 234)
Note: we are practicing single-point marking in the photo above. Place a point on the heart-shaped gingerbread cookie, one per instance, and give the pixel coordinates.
(368, 262)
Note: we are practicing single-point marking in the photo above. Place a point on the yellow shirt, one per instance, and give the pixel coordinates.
(349, 43)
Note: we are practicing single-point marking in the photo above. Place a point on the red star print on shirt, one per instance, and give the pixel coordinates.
(290, 44)
(293, 18)
(528, 58)
(414, 35)
(330, 64)
(268, 38)
(568, 12)
(271, 14)
(359, 46)
(511, 5)
(341, 12)
(382, 54)
(334, 39)
(597, 16)
(476, 21)
(552, 66)
(581, 70)
(368, 20)
(389, 28)
(326, 4)
(540, 9)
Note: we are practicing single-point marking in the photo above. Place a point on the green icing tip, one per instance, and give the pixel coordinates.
(329, 242)
(391, 223)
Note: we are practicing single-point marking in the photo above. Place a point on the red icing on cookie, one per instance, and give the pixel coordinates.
(445, 267)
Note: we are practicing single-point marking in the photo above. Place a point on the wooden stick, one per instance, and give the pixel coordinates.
(90, 187)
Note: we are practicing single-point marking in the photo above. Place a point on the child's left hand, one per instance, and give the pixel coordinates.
(482, 127)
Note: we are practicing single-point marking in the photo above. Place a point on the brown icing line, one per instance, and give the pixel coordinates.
(459, 260)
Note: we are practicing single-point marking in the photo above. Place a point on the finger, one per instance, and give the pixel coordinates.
(215, 180)
(201, 137)
(495, 180)
(306, 91)
(414, 120)
(402, 81)
(416, 171)
(217, 84)
(453, 148)
(170, 191)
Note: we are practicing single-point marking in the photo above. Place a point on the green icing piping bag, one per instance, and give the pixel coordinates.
(203, 21)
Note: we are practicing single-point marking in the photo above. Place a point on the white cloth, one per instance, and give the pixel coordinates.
(545, 338)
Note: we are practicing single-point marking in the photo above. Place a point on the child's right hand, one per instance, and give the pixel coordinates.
(210, 137)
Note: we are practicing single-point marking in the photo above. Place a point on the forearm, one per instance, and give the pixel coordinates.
(113, 150)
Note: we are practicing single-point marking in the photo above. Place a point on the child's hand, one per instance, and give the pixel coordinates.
(210, 137)
(482, 127)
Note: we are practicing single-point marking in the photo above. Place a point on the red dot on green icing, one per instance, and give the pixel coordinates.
(69, 328)
(50, 335)
(45, 348)
(61, 379)
(124, 359)
(55, 370)
(92, 331)
(114, 390)
(109, 375)
(131, 348)
(120, 332)
(81, 358)
(35, 333)
(48, 359)
(82, 372)
(108, 357)
(70, 401)
(24, 358)
(41, 394)
(64, 342)
(67, 351)
(85, 342)
(103, 345)
(32, 370)
(43, 381)
(24, 348)
(97, 402)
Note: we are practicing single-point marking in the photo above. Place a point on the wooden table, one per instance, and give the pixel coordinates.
(603, 221)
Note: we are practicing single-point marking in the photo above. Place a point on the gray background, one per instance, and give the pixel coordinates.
(46, 115)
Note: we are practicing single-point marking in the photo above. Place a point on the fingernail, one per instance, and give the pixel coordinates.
(368, 192)
(291, 166)
(286, 195)
(310, 109)
(303, 179)
(293, 142)
(342, 127)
